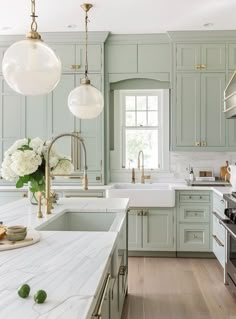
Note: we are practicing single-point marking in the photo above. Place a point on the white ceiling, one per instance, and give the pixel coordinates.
(120, 16)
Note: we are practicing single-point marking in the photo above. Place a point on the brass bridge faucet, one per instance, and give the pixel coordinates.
(143, 177)
(48, 172)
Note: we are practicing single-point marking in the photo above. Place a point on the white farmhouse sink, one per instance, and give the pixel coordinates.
(144, 195)
(80, 221)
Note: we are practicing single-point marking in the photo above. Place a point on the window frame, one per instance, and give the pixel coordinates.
(162, 126)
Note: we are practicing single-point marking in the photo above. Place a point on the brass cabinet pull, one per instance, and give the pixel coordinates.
(197, 143)
(140, 212)
(122, 270)
(218, 241)
(145, 213)
(98, 311)
(203, 66)
(198, 66)
(75, 66)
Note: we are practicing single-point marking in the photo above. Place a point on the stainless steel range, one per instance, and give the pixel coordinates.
(230, 226)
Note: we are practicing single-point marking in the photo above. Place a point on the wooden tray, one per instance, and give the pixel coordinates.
(31, 238)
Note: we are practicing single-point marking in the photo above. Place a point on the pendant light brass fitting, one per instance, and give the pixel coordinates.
(33, 35)
(85, 81)
(86, 6)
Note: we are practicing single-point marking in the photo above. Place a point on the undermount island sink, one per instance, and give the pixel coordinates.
(80, 221)
(141, 195)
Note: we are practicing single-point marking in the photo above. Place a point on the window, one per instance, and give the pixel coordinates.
(144, 122)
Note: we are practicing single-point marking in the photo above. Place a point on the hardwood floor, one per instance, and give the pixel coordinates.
(177, 288)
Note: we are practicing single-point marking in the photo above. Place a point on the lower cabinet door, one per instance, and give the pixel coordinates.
(194, 237)
(134, 230)
(158, 229)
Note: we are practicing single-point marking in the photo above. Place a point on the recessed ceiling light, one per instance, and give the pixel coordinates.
(72, 26)
(208, 25)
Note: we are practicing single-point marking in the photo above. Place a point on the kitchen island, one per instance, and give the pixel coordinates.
(70, 266)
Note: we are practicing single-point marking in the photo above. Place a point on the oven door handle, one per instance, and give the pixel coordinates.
(228, 229)
(217, 216)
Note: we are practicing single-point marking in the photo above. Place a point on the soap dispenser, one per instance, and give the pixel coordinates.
(191, 174)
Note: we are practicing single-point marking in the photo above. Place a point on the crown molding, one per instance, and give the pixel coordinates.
(60, 37)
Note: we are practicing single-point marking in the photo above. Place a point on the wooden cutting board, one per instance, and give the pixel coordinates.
(224, 173)
(31, 238)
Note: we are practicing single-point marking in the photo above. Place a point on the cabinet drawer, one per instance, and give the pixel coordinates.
(191, 198)
(194, 237)
(194, 213)
(218, 229)
(218, 205)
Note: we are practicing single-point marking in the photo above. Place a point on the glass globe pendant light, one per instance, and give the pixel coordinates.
(85, 101)
(31, 67)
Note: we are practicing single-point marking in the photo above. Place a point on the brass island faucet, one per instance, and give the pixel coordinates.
(143, 177)
(48, 174)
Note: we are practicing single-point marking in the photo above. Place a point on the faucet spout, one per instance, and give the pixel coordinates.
(48, 170)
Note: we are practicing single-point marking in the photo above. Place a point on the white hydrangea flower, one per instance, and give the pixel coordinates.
(6, 171)
(37, 145)
(64, 166)
(25, 162)
(15, 146)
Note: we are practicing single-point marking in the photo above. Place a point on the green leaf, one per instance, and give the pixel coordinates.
(19, 183)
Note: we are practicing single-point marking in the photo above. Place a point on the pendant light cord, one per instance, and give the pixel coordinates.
(86, 45)
(34, 25)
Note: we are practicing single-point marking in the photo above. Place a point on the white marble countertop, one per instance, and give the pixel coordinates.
(70, 266)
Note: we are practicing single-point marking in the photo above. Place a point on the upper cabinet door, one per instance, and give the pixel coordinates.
(37, 110)
(94, 58)
(66, 53)
(73, 57)
(212, 57)
(188, 57)
(213, 132)
(122, 58)
(232, 56)
(188, 110)
(154, 58)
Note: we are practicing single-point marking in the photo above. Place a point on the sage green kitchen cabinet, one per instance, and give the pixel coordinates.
(200, 121)
(200, 57)
(135, 229)
(158, 229)
(232, 56)
(12, 112)
(152, 229)
(218, 231)
(154, 58)
(122, 58)
(73, 57)
(193, 221)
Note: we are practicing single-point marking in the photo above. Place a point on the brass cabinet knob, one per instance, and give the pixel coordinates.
(197, 143)
(198, 66)
(75, 66)
(203, 66)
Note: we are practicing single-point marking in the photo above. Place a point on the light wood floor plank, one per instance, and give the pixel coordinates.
(177, 288)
